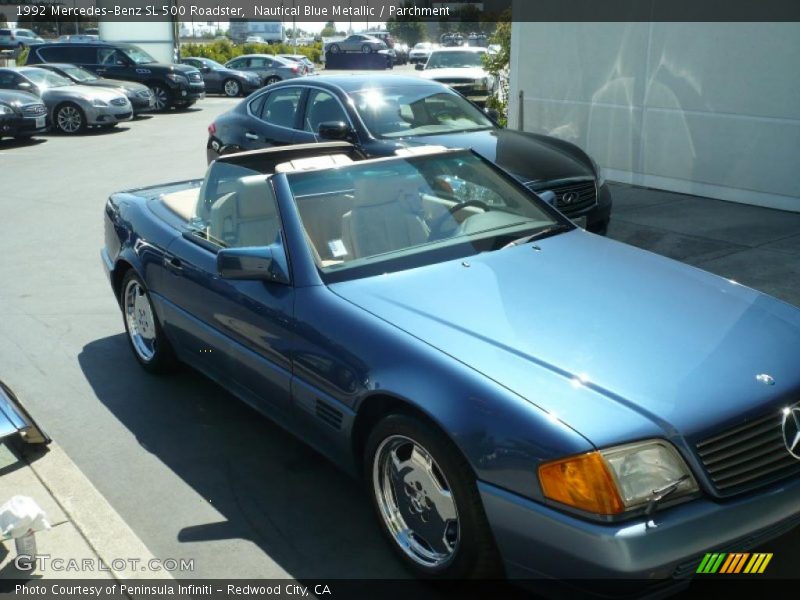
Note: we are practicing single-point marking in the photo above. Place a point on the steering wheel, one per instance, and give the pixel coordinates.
(436, 227)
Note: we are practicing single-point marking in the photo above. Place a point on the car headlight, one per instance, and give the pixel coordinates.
(601, 175)
(99, 103)
(177, 78)
(6, 110)
(618, 479)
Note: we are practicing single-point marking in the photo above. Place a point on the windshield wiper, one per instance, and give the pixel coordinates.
(558, 227)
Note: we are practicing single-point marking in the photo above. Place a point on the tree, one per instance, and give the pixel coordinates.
(497, 64)
(409, 32)
(329, 29)
(3, 20)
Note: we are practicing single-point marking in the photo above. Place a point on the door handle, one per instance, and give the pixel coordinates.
(251, 136)
(173, 263)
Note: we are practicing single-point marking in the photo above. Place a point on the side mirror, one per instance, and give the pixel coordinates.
(333, 130)
(419, 67)
(257, 263)
(492, 113)
(548, 196)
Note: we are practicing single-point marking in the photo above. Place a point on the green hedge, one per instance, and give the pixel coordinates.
(224, 50)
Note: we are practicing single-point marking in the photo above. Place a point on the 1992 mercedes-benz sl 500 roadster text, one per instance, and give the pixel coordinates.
(515, 391)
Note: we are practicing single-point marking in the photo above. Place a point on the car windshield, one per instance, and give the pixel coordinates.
(417, 110)
(213, 64)
(79, 74)
(454, 60)
(137, 55)
(368, 214)
(46, 79)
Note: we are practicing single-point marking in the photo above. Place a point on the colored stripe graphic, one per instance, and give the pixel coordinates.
(724, 563)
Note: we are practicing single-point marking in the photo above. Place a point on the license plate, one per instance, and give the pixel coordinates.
(580, 222)
(40, 122)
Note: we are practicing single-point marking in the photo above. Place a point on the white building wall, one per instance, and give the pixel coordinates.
(703, 108)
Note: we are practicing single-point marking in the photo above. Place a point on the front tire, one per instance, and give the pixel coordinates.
(162, 96)
(231, 88)
(366, 49)
(69, 118)
(145, 335)
(426, 498)
(334, 49)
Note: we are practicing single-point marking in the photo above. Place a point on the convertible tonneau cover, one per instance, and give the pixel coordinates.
(265, 160)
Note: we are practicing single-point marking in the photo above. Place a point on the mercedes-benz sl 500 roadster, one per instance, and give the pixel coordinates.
(518, 394)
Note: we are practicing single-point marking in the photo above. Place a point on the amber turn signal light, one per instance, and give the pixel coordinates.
(583, 482)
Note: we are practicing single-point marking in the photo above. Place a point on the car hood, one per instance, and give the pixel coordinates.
(83, 92)
(129, 86)
(453, 73)
(618, 343)
(528, 156)
(18, 98)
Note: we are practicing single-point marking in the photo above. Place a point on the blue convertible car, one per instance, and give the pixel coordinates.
(517, 393)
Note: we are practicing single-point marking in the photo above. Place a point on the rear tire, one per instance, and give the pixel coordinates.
(145, 336)
(334, 49)
(422, 487)
(271, 80)
(366, 49)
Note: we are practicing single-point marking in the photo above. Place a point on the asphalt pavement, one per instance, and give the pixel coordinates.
(192, 470)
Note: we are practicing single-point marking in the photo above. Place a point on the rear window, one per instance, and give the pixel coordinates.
(5, 32)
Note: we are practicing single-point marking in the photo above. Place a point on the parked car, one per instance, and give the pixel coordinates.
(461, 69)
(22, 115)
(139, 95)
(71, 107)
(381, 113)
(302, 59)
(178, 86)
(220, 79)
(77, 38)
(15, 421)
(451, 39)
(270, 69)
(13, 39)
(431, 334)
(358, 42)
(254, 39)
(420, 53)
(401, 54)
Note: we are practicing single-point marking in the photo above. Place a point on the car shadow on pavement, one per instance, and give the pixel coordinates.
(305, 514)
(9, 143)
(89, 132)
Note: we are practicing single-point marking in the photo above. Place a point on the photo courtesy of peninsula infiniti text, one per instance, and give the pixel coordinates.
(518, 395)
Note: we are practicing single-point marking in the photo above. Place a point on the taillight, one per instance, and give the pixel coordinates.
(212, 129)
(295, 69)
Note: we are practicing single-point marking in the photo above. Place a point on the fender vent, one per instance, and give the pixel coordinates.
(329, 415)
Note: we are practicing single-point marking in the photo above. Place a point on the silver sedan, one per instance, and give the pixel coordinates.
(72, 107)
(357, 42)
(270, 68)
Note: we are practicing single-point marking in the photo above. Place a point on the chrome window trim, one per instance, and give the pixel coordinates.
(300, 86)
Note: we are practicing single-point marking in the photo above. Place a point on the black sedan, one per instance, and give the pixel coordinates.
(381, 115)
(139, 95)
(21, 115)
(222, 80)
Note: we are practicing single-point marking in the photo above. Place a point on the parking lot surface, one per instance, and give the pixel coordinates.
(195, 472)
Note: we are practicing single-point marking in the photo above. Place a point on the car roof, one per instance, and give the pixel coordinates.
(57, 65)
(461, 49)
(358, 82)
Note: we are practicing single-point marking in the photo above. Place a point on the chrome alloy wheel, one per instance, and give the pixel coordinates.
(141, 320)
(232, 88)
(160, 96)
(69, 119)
(415, 501)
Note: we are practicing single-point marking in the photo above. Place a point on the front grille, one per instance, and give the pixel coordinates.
(572, 197)
(748, 455)
(119, 101)
(34, 110)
